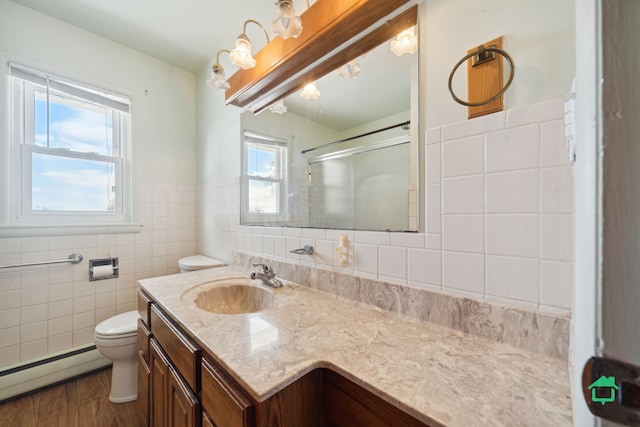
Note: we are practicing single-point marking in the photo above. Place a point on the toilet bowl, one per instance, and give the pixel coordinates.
(116, 338)
(198, 262)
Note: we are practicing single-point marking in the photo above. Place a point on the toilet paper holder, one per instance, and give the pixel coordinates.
(100, 269)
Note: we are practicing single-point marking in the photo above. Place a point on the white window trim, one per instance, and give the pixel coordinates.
(17, 224)
(262, 218)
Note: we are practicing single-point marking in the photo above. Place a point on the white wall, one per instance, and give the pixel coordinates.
(540, 37)
(50, 309)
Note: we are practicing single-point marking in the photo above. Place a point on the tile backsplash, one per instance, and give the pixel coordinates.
(499, 218)
(47, 309)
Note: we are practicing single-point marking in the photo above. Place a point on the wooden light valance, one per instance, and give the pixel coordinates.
(283, 66)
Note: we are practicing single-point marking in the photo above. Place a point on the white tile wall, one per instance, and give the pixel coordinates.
(499, 208)
(48, 309)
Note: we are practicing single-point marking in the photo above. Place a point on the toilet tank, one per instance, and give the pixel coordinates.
(198, 262)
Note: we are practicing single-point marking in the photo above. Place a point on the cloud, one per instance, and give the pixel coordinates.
(79, 190)
(91, 178)
(85, 131)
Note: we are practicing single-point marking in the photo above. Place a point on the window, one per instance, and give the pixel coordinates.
(71, 144)
(264, 177)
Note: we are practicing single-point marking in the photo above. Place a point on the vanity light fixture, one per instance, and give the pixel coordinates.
(310, 91)
(278, 107)
(218, 79)
(350, 70)
(405, 42)
(287, 24)
(241, 55)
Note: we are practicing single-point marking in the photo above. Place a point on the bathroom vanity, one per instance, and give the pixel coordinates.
(309, 358)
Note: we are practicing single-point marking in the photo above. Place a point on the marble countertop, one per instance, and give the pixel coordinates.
(438, 375)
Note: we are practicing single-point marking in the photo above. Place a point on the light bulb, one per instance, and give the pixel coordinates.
(218, 79)
(350, 70)
(241, 55)
(310, 91)
(287, 24)
(405, 42)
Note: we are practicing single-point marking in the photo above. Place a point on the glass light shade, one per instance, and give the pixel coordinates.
(287, 24)
(310, 91)
(241, 55)
(218, 79)
(278, 107)
(405, 42)
(350, 70)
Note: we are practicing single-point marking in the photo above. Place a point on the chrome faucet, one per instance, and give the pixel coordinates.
(267, 276)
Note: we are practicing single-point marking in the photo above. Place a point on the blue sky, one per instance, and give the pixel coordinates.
(62, 183)
(262, 195)
(261, 162)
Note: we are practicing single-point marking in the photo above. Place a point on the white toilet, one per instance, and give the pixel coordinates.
(198, 262)
(117, 339)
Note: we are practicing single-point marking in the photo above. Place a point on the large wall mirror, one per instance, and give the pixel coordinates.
(344, 159)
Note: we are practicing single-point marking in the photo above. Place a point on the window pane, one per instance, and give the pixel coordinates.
(72, 124)
(262, 161)
(263, 197)
(68, 184)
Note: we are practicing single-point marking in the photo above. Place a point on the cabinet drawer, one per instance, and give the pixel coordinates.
(222, 401)
(143, 339)
(144, 307)
(182, 351)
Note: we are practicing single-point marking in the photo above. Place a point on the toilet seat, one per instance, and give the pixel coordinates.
(120, 326)
(115, 337)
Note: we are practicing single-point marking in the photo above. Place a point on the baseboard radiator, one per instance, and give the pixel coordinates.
(26, 377)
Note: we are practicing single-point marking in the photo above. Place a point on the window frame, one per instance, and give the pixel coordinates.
(24, 146)
(250, 136)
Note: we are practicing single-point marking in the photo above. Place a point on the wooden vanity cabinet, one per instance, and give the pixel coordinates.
(175, 375)
(183, 404)
(224, 403)
(158, 386)
(185, 387)
(346, 404)
(168, 370)
(144, 372)
(172, 402)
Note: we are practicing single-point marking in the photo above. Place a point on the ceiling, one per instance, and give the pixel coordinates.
(184, 33)
(188, 33)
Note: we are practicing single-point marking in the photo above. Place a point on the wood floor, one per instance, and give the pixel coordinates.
(83, 402)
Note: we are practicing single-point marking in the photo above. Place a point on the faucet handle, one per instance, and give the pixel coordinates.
(265, 268)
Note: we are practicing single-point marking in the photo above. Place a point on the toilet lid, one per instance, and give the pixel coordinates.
(121, 324)
(198, 262)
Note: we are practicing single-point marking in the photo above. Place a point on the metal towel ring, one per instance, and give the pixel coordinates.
(479, 51)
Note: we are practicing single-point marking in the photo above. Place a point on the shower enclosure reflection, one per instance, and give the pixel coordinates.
(347, 187)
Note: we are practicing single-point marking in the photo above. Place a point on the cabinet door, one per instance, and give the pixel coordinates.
(206, 420)
(184, 407)
(226, 405)
(143, 388)
(159, 366)
(346, 404)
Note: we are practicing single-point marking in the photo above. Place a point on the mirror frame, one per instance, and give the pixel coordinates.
(335, 33)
